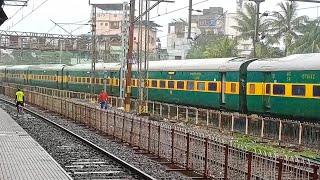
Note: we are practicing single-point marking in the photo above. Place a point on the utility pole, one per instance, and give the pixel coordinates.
(256, 30)
(189, 22)
(130, 57)
(94, 51)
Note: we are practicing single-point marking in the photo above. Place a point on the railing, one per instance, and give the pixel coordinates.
(284, 132)
(193, 151)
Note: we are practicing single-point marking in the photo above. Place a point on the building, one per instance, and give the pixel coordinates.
(244, 45)
(109, 26)
(177, 43)
(211, 19)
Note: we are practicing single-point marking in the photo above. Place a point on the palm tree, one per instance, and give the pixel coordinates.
(222, 47)
(287, 24)
(309, 42)
(247, 21)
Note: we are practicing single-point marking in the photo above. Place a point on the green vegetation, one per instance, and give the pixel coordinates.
(217, 46)
(297, 33)
(251, 143)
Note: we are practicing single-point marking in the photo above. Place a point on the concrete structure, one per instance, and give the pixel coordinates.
(22, 157)
(211, 19)
(177, 42)
(244, 45)
(109, 24)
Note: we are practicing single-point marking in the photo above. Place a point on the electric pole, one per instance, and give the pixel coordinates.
(189, 22)
(130, 56)
(256, 30)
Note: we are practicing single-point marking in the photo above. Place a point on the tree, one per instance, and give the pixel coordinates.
(267, 51)
(213, 46)
(246, 21)
(286, 25)
(309, 42)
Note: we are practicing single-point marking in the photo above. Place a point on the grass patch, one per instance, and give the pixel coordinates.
(251, 143)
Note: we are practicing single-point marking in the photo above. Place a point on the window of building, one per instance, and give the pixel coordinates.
(298, 90)
(101, 24)
(268, 88)
(154, 83)
(201, 86)
(279, 89)
(114, 25)
(233, 87)
(177, 57)
(162, 84)
(252, 89)
(212, 86)
(105, 24)
(180, 84)
(190, 85)
(316, 91)
(171, 84)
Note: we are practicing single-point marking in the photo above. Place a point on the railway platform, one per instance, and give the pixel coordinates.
(21, 157)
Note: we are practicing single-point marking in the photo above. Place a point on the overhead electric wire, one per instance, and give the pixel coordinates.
(28, 15)
(178, 9)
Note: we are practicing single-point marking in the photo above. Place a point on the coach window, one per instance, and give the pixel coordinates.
(88, 80)
(279, 89)
(252, 89)
(162, 84)
(212, 86)
(154, 83)
(180, 84)
(97, 80)
(268, 89)
(298, 90)
(201, 86)
(233, 87)
(190, 85)
(316, 91)
(171, 84)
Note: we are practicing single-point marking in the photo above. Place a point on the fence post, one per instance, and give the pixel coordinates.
(220, 118)
(169, 108)
(114, 125)
(247, 125)
(177, 117)
(315, 175)
(187, 114)
(149, 136)
(123, 123)
(280, 131)
(160, 110)
(172, 144)
(131, 131)
(188, 150)
(226, 154)
(206, 157)
(280, 166)
(249, 165)
(207, 118)
(262, 128)
(153, 108)
(232, 123)
(300, 134)
(197, 116)
(159, 138)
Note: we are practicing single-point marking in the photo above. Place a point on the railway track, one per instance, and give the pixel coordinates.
(81, 158)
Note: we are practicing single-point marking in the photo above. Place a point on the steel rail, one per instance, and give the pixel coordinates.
(126, 165)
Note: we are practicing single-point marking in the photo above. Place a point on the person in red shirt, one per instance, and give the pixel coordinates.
(103, 99)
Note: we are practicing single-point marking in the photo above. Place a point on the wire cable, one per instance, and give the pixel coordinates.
(27, 15)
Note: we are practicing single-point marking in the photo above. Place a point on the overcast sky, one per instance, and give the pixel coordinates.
(64, 11)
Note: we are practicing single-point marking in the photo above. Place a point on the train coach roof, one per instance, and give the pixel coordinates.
(99, 67)
(292, 62)
(3, 67)
(195, 64)
(52, 67)
(19, 67)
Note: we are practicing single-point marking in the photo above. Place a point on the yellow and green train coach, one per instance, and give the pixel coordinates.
(287, 86)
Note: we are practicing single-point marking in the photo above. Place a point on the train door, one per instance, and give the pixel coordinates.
(113, 82)
(25, 77)
(266, 94)
(57, 80)
(223, 90)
